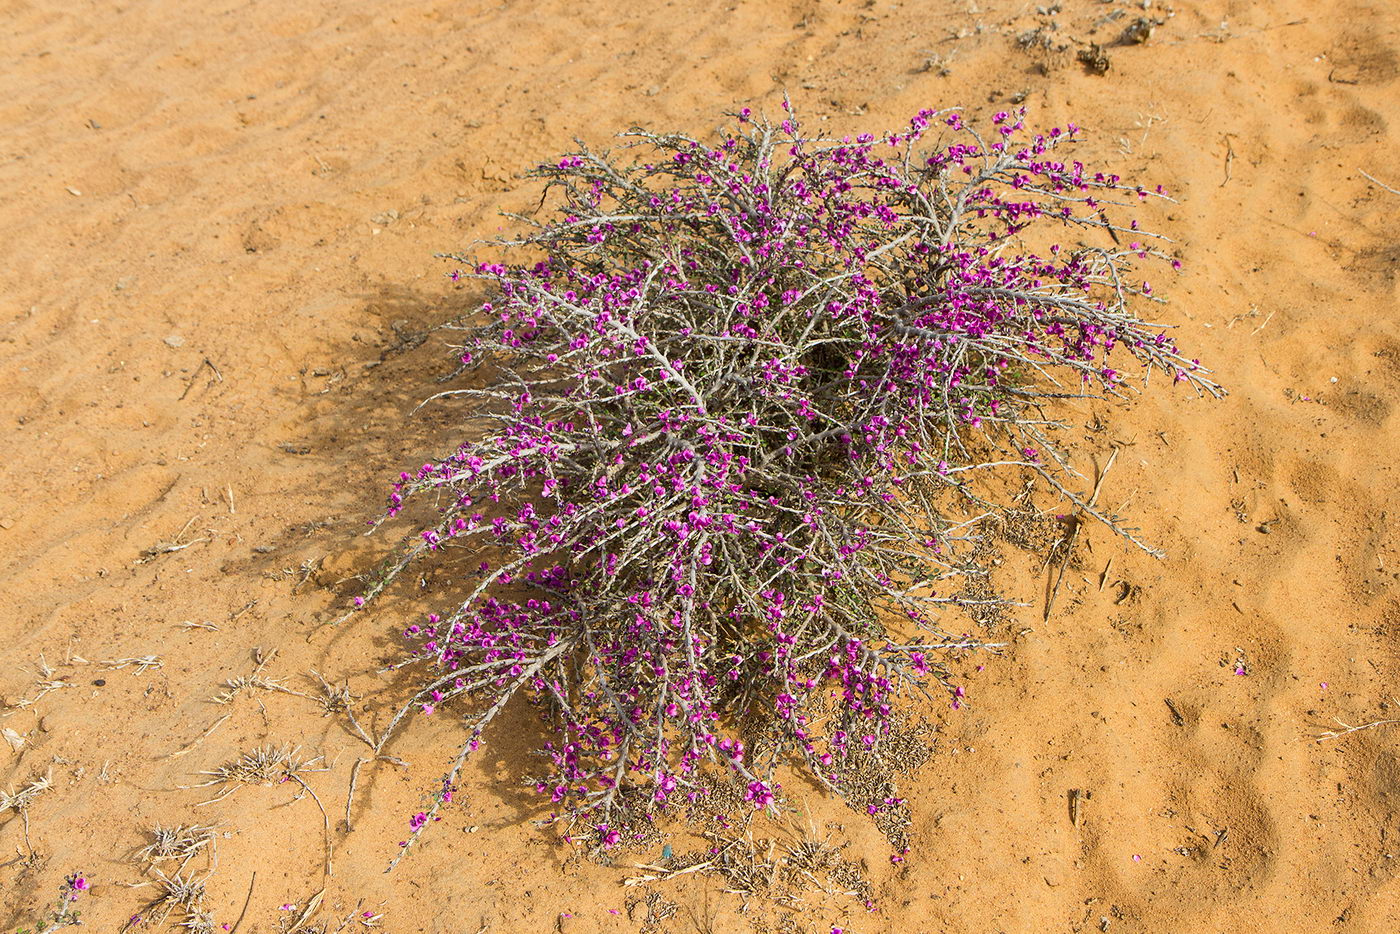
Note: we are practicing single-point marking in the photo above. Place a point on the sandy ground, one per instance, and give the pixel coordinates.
(216, 275)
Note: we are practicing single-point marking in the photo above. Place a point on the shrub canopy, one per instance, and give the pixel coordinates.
(726, 413)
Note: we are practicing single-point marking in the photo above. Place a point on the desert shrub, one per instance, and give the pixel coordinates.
(724, 420)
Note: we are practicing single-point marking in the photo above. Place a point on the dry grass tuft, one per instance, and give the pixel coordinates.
(182, 894)
(334, 698)
(267, 766)
(255, 681)
(179, 894)
(19, 801)
(176, 843)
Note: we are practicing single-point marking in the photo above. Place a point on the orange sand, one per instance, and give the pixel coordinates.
(218, 227)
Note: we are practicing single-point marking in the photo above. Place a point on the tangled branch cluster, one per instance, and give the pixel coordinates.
(731, 408)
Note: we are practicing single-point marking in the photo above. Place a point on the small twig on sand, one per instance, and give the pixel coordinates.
(1382, 184)
(165, 548)
(143, 663)
(360, 731)
(1074, 535)
(662, 872)
(355, 780)
(1348, 728)
(234, 929)
(20, 801)
(218, 377)
(188, 747)
(1229, 159)
(350, 798)
(325, 820)
(246, 607)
